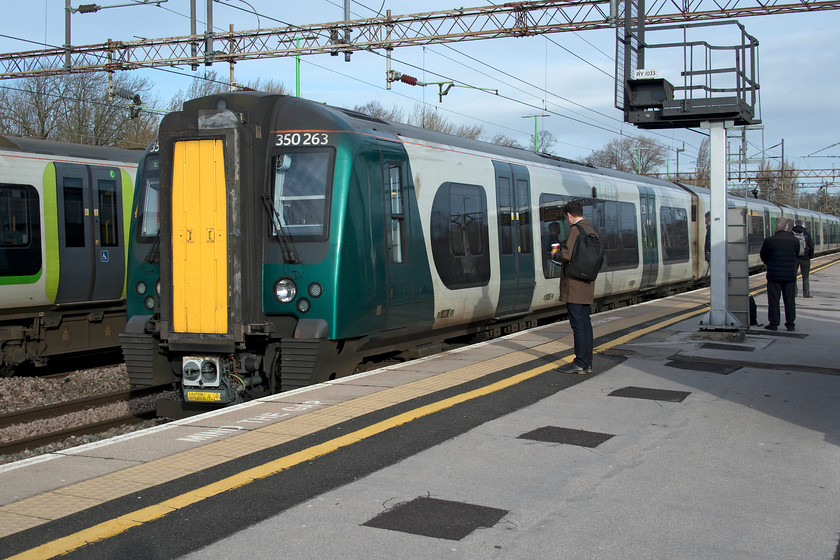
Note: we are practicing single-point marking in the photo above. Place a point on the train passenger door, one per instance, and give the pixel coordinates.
(91, 240)
(398, 265)
(516, 255)
(650, 243)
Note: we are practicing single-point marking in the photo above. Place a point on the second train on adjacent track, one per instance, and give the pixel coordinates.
(297, 239)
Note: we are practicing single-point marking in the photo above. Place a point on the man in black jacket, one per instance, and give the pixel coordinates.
(779, 252)
(803, 261)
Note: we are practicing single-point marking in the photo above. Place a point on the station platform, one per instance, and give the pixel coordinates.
(677, 446)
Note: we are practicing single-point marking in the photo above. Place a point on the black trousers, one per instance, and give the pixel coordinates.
(785, 290)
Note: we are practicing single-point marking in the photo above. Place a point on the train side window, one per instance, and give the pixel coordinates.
(397, 233)
(755, 234)
(460, 235)
(20, 231)
(74, 212)
(150, 221)
(674, 234)
(552, 230)
(109, 214)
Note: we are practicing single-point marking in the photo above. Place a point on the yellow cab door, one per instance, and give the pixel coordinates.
(199, 238)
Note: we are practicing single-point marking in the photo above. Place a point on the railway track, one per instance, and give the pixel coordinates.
(55, 411)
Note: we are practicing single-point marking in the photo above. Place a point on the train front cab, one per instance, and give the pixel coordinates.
(292, 243)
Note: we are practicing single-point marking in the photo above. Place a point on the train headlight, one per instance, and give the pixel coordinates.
(285, 290)
(140, 288)
(303, 305)
(149, 302)
(157, 287)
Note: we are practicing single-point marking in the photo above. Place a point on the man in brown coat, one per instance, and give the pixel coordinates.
(578, 294)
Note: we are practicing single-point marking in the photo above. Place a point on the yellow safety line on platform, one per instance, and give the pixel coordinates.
(120, 524)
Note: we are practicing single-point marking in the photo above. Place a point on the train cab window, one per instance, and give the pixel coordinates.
(674, 228)
(108, 214)
(396, 239)
(74, 212)
(302, 182)
(20, 231)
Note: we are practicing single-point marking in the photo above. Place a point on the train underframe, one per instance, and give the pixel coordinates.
(33, 337)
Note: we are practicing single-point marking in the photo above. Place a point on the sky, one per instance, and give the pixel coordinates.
(569, 75)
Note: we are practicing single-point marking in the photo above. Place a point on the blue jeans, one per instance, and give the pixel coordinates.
(785, 291)
(582, 331)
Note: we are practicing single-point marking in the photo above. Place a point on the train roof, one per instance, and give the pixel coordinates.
(410, 131)
(65, 149)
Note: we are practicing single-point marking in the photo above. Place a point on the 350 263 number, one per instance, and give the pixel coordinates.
(302, 139)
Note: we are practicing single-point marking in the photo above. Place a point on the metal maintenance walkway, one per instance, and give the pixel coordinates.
(677, 447)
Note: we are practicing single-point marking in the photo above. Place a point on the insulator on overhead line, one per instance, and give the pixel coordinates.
(88, 8)
(410, 80)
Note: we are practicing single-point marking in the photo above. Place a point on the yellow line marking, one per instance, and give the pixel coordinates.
(136, 518)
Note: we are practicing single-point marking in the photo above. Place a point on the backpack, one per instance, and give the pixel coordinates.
(587, 257)
(803, 245)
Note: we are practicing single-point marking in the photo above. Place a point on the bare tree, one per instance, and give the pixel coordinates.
(504, 140)
(635, 154)
(76, 108)
(377, 110)
(545, 140)
(778, 183)
(211, 84)
(32, 107)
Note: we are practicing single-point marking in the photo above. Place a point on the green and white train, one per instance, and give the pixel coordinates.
(64, 211)
(297, 239)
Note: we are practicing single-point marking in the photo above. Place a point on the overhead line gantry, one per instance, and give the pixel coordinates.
(512, 19)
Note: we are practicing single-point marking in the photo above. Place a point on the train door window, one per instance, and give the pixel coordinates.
(505, 211)
(674, 233)
(397, 233)
(74, 212)
(20, 231)
(108, 214)
(523, 206)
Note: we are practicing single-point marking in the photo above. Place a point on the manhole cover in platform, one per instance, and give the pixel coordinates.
(652, 394)
(441, 519)
(727, 347)
(722, 369)
(553, 434)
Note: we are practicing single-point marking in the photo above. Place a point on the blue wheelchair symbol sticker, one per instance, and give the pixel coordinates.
(104, 256)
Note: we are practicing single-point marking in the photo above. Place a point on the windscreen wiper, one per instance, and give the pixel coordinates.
(289, 255)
